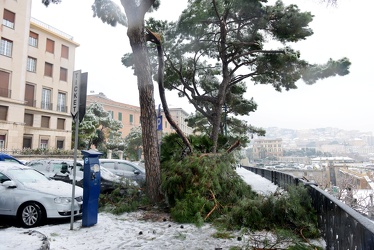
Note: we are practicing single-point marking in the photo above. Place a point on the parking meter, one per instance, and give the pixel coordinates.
(91, 187)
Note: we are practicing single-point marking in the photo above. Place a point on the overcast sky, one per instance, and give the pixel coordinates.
(342, 31)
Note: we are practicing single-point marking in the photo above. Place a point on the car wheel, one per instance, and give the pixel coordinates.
(30, 215)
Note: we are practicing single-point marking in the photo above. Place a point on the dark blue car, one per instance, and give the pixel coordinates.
(6, 157)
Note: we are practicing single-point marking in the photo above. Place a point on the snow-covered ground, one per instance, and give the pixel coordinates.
(133, 231)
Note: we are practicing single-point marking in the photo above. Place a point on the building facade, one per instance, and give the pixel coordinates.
(267, 149)
(36, 70)
(129, 115)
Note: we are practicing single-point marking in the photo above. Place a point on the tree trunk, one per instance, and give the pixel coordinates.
(135, 32)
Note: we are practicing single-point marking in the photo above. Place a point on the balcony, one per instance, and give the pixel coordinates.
(46, 105)
(61, 108)
(30, 103)
(5, 92)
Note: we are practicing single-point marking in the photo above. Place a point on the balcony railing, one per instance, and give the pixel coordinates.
(342, 227)
(46, 105)
(30, 103)
(5, 92)
(61, 108)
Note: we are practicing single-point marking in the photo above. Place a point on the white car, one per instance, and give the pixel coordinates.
(31, 197)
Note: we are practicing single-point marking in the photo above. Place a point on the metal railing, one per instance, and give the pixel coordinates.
(342, 227)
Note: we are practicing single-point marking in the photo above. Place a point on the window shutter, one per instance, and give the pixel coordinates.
(9, 16)
(50, 46)
(65, 51)
(29, 119)
(45, 122)
(3, 112)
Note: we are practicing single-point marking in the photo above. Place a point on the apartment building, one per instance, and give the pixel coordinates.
(129, 115)
(267, 149)
(36, 70)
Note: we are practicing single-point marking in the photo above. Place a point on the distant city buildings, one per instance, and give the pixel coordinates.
(270, 149)
(129, 115)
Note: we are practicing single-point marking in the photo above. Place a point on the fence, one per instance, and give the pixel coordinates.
(342, 227)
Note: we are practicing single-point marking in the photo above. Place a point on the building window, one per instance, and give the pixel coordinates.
(45, 121)
(63, 74)
(33, 39)
(46, 99)
(44, 144)
(4, 84)
(6, 47)
(2, 141)
(131, 119)
(9, 19)
(31, 64)
(64, 51)
(61, 102)
(119, 116)
(111, 114)
(50, 46)
(60, 144)
(27, 142)
(3, 112)
(60, 123)
(30, 95)
(29, 119)
(48, 69)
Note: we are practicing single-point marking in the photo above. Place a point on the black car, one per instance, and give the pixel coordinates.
(62, 170)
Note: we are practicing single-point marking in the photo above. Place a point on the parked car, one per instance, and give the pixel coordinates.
(6, 157)
(62, 170)
(31, 197)
(124, 168)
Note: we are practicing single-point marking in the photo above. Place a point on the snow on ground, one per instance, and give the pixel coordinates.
(131, 231)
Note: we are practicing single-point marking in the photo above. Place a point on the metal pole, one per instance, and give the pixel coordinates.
(74, 170)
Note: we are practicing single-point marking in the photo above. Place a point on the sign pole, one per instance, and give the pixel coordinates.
(74, 170)
(75, 114)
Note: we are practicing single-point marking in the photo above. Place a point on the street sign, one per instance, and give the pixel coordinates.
(82, 96)
(159, 123)
(75, 93)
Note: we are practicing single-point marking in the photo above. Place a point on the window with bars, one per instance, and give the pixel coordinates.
(33, 39)
(46, 99)
(43, 143)
(27, 142)
(64, 51)
(50, 46)
(60, 144)
(61, 102)
(31, 64)
(48, 69)
(9, 19)
(63, 74)
(6, 47)
(2, 141)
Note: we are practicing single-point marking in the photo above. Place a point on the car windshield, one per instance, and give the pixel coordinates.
(27, 175)
(106, 174)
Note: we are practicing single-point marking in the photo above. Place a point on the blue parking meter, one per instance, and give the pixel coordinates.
(91, 187)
